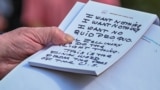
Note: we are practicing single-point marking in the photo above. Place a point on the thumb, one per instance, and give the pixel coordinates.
(49, 35)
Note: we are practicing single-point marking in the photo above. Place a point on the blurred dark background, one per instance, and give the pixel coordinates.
(151, 6)
(15, 19)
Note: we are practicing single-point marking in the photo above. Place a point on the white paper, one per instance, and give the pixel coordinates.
(137, 70)
(102, 37)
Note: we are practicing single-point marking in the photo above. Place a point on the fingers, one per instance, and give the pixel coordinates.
(22, 42)
(48, 35)
(68, 38)
(56, 36)
(27, 40)
(5, 68)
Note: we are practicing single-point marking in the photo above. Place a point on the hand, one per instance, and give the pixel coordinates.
(20, 43)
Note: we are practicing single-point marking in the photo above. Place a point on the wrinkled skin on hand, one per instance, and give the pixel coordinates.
(20, 43)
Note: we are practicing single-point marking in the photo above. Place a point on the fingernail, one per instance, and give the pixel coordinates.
(68, 38)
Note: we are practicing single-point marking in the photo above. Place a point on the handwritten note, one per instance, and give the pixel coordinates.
(103, 34)
(98, 40)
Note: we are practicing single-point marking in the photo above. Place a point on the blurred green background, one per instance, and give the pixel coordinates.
(151, 6)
